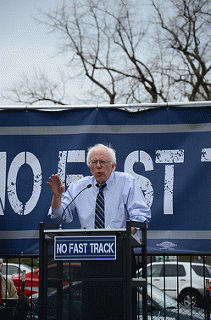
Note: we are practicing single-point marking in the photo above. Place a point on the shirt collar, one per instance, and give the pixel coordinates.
(108, 182)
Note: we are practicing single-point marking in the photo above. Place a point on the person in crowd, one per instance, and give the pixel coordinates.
(122, 196)
(8, 288)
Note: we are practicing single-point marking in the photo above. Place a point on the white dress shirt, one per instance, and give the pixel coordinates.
(123, 200)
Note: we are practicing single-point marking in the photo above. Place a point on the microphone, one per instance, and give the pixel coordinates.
(87, 187)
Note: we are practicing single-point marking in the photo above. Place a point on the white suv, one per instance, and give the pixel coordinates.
(182, 280)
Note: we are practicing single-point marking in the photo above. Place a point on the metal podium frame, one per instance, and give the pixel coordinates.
(129, 279)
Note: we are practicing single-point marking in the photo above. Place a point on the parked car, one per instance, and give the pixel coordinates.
(32, 278)
(181, 280)
(31, 282)
(161, 306)
(14, 268)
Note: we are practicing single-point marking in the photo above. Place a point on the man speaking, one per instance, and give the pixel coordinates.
(105, 199)
(116, 195)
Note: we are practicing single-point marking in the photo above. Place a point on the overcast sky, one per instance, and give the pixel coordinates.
(25, 44)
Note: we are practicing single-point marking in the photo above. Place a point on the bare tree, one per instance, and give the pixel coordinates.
(36, 90)
(104, 41)
(136, 74)
(84, 37)
(186, 41)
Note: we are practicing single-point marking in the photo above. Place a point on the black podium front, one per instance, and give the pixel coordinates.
(90, 274)
(104, 285)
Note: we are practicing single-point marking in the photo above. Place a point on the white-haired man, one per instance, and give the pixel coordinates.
(123, 197)
(122, 200)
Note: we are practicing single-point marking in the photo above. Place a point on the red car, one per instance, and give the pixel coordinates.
(31, 282)
(71, 269)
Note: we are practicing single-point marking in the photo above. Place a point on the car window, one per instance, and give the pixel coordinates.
(154, 270)
(10, 270)
(167, 270)
(173, 270)
(13, 269)
(202, 271)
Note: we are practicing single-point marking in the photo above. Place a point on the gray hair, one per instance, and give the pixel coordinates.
(1, 261)
(111, 151)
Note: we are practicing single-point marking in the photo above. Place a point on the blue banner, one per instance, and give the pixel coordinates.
(168, 150)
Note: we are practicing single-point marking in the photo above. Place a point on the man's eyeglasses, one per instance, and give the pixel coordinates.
(101, 162)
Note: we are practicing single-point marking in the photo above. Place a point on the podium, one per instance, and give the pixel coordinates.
(92, 273)
(8, 308)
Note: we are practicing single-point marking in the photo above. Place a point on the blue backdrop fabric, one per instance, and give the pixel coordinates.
(168, 150)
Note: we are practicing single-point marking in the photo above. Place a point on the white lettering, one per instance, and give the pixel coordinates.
(61, 248)
(100, 248)
(3, 181)
(144, 183)
(80, 248)
(138, 157)
(97, 248)
(85, 246)
(110, 247)
(70, 247)
(69, 156)
(77, 248)
(105, 246)
(169, 156)
(206, 155)
(62, 165)
(21, 159)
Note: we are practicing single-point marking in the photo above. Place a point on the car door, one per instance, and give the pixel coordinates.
(167, 277)
(154, 275)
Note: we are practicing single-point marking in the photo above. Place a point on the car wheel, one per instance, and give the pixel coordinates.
(190, 298)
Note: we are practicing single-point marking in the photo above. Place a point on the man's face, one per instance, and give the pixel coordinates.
(100, 164)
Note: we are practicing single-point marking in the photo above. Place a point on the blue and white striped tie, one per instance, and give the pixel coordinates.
(100, 207)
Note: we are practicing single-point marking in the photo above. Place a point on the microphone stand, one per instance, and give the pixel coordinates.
(87, 187)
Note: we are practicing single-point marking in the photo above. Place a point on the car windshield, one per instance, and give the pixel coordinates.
(164, 300)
